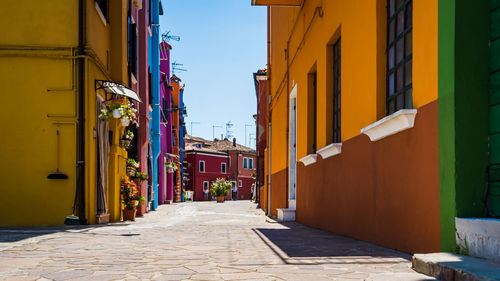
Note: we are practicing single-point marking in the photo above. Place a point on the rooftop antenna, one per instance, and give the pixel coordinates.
(175, 67)
(246, 125)
(167, 37)
(192, 126)
(229, 133)
(213, 130)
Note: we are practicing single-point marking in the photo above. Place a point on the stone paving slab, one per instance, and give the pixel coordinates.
(448, 267)
(196, 241)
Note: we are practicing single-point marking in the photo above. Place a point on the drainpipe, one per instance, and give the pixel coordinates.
(155, 73)
(181, 139)
(80, 164)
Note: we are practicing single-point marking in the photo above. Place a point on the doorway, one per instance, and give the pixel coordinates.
(102, 143)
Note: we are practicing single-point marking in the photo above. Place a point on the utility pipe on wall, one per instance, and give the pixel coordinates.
(80, 157)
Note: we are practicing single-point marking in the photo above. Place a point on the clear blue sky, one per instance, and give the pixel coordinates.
(223, 42)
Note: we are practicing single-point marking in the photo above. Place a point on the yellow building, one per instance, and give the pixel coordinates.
(52, 54)
(353, 137)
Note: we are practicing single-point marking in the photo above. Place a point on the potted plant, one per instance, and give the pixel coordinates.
(126, 139)
(130, 198)
(132, 167)
(128, 113)
(120, 109)
(219, 189)
(171, 167)
(140, 177)
(110, 109)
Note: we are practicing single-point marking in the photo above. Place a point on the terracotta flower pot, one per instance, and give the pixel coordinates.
(129, 215)
(220, 199)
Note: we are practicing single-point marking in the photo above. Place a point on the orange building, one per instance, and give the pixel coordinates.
(352, 144)
(177, 88)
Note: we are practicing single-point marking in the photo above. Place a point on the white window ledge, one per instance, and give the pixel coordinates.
(330, 150)
(309, 159)
(399, 121)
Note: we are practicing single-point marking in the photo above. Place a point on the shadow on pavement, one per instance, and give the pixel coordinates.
(14, 234)
(296, 242)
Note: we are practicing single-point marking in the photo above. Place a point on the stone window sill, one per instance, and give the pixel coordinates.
(309, 159)
(399, 121)
(330, 150)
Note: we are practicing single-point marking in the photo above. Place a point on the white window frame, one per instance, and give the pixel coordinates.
(240, 183)
(250, 160)
(223, 168)
(245, 160)
(208, 187)
(204, 167)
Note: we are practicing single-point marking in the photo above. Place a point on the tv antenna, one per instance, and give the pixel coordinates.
(229, 133)
(175, 66)
(167, 37)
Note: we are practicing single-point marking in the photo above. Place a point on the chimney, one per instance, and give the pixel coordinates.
(234, 142)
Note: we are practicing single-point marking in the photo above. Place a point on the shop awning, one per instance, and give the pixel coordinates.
(117, 89)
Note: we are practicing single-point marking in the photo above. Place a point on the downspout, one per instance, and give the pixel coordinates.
(80, 164)
(194, 176)
(181, 139)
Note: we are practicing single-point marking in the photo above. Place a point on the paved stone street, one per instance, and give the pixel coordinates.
(196, 241)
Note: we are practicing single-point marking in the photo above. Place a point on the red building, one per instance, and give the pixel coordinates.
(242, 166)
(205, 165)
(209, 160)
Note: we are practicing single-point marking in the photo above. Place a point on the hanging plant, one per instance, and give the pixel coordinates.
(121, 109)
(171, 167)
(132, 167)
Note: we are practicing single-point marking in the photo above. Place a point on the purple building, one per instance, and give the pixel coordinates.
(166, 180)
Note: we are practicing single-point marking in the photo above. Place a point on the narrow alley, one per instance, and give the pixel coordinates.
(196, 241)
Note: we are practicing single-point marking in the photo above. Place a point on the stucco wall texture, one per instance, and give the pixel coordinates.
(385, 192)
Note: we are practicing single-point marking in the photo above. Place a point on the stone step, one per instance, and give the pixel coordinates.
(286, 214)
(448, 266)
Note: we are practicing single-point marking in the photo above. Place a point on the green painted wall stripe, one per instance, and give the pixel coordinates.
(446, 121)
(463, 111)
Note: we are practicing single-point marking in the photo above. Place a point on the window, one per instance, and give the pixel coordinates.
(206, 187)
(245, 163)
(312, 112)
(104, 8)
(164, 110)
(202, 166)
(250, 163)
(336, 93)
(223, 168)
(240, 183)
(399, 55)
(132, 47)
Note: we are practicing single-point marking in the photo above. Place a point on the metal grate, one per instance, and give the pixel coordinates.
(336, 93)
(399, 54)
